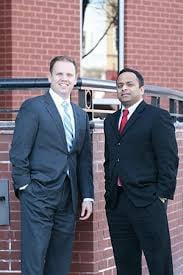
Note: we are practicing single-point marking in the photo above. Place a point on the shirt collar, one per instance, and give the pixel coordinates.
(132, 108)
(56, 98)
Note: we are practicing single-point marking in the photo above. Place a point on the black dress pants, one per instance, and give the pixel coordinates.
(134, 230)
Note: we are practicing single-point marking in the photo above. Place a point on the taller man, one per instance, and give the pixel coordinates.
(51, 166)
(140, 175)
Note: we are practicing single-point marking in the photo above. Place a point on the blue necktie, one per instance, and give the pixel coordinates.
(67, 125)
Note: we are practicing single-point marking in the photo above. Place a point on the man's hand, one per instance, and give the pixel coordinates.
(86, 210)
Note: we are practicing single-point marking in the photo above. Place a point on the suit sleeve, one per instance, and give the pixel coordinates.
(84, 166)
(166, 154)
(26, 126)
(107, 160)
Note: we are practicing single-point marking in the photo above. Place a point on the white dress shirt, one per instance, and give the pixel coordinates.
(58, 102)
(131, 110)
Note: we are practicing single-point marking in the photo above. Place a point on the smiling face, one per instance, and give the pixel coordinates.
(128, 89)
(62, 78)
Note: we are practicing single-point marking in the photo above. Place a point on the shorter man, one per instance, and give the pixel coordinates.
(141, 164)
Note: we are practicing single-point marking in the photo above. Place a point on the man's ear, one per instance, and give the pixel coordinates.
(49, 77)
(76, 79)
(142, 90)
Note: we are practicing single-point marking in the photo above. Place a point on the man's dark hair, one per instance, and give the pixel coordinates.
(62, 58)
(138, 75)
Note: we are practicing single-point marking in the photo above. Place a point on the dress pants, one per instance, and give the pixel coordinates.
(136, 229)
(47, 229)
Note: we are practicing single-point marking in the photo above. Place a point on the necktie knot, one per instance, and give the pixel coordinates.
(65, 105)
(125, 112)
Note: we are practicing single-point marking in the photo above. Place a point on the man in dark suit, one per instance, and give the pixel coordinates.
(51, 167)
(140, 175)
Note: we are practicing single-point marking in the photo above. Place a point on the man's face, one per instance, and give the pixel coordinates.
(128, 90)
(63, 78)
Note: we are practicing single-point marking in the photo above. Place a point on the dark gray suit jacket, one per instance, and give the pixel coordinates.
(39, 149)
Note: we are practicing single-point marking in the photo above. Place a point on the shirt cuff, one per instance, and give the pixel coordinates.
(23, 187)
(88, 199)
(163, 200)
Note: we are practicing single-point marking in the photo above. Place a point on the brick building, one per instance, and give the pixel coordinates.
(31, 33)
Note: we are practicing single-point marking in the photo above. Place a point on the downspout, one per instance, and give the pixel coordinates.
(121, 43)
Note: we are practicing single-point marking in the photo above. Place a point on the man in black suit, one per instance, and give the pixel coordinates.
(51, 166)
(140, 165)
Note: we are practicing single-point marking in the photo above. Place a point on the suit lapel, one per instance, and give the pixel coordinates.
(114, 123)
(76, 120)
(52, 109)
(136, 115)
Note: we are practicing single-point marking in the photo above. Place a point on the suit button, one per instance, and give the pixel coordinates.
(118, 143)
(117, 160)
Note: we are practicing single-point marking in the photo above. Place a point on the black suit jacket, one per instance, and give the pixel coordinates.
(39, 148)
(144, 156)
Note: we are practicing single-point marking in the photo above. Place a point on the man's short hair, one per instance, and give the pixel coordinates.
(62, 58)
(138, 75)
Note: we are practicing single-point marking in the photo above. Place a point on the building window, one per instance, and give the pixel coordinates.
(173, 108)
(155, 100)
(180, 111)
(99, 39)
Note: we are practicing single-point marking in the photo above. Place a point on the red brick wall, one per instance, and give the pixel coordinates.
(5, 39)
(153, 40)
(31, 33)
(41, 30)
(92, 253)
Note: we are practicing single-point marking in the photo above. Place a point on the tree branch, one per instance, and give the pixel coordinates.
(94, 47)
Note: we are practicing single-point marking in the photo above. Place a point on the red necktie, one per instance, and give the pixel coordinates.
(121, 127)
(123, 120)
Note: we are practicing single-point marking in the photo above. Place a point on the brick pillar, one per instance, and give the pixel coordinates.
(92, 250)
